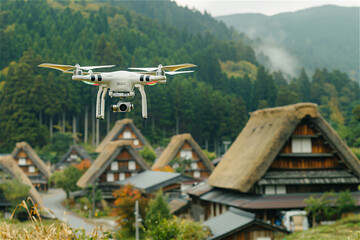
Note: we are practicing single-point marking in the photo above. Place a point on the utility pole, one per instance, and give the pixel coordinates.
(93, 200)
(137, 220)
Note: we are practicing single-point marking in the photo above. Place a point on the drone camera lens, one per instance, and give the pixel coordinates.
(123, 107)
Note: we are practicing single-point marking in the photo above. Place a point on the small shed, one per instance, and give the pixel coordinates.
(241, 225)
(151, 181)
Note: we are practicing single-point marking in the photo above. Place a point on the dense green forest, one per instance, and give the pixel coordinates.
(212, 104)
(325, 36)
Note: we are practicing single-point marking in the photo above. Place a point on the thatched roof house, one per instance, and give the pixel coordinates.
(124, 129)
(293, 139)
(9, 166)
(119, 160)
(33, 166)
(73, 155)
(181, 147)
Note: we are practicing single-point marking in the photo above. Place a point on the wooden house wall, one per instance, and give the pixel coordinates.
(25, 169)
(213, 209)
(251, 233)
(122, 159)
(322, 158)
(29, 162)
(133, 137)
(204, 172)
(306, 163)
(319, 146)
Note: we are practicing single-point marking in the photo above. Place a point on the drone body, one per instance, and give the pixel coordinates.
(120, 83)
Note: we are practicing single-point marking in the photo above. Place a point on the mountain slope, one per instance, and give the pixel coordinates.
(326, 36)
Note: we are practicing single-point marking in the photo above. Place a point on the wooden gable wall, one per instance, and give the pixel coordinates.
(29, 163)
(37, 178)
(201, 168)
(322, 155)
(318, 169)
(122, 161)
(136, 142)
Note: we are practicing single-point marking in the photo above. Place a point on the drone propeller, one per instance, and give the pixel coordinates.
(67, 68)
(171, 68)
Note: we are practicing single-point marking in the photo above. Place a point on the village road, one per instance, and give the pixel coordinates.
(53, 199)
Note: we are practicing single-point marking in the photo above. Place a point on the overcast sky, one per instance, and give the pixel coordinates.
(267, 7)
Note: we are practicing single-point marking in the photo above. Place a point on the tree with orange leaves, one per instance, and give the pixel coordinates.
(167, 168)
(125, 205)
(83, 165)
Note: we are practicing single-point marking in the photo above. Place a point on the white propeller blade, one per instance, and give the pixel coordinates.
(145, 69)
(67, 68)
(94, 67)
(171, 68)
(174, 73)
(179, 66)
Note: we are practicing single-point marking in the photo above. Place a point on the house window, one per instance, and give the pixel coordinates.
(301, 145)
(280, 189)
(121, 176)
(269, 190)
(186, 153)
(73, 156)
(127, 134)
(110, 177)
(136, 142)
(197, 174)
(194, 165)
(31, 169)
(272, 190)
(132, 165)
(22, 161)
(114, 166)
(133, 174)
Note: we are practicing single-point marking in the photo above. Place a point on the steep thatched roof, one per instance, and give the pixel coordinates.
(174, 147)
(105, 158)
(9, 165)
(117, 129)
(33, 156)
(261, 140)
(79, 149)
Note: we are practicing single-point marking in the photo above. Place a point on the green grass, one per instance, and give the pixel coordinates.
(344, 229)
(18, 224)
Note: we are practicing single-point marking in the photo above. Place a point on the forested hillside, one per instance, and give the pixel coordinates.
(212, 103)
(326, 36)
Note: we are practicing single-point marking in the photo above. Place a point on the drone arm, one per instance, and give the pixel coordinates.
(143, 99)
(99, 108)
(102, 108)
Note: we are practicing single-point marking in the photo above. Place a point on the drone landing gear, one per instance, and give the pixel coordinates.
(100, 106)
(143, 100)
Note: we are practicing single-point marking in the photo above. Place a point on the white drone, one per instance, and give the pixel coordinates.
(120, 83)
